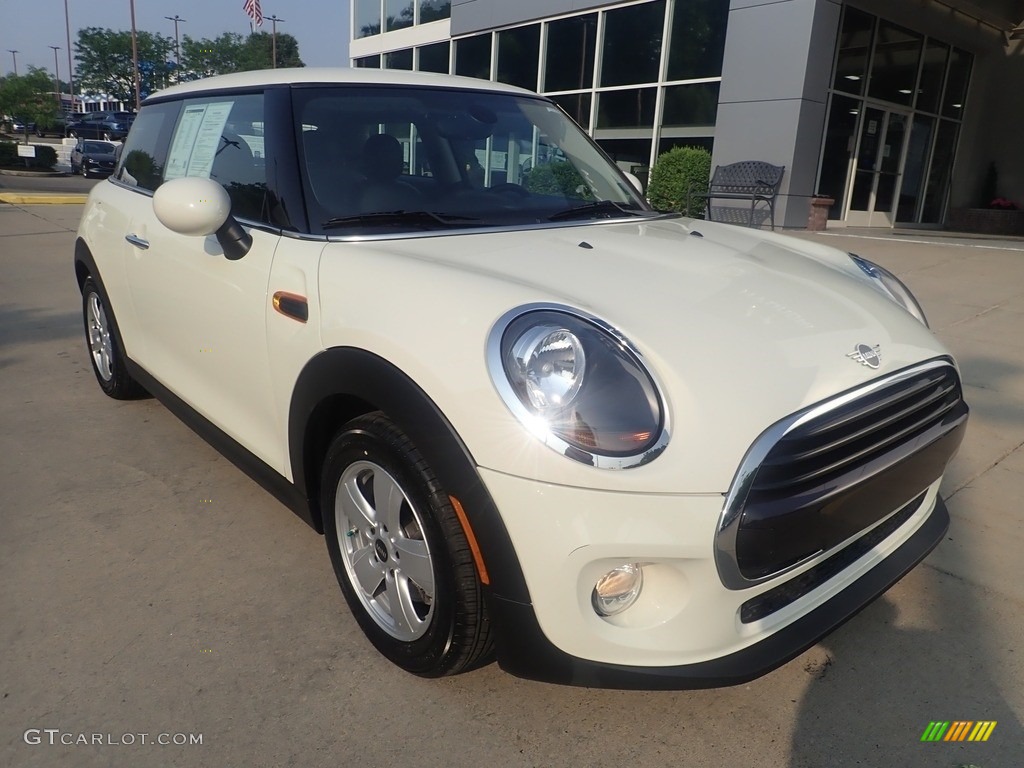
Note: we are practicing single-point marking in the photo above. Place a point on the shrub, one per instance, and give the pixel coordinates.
(46, 157)
(558, 178)
(674, 174)
(8, 153)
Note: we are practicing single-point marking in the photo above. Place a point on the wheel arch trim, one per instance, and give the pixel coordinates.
(343, 382)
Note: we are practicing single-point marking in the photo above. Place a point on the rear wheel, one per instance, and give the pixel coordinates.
(105, 353)
(400, 553)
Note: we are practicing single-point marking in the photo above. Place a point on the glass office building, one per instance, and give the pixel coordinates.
(869, 103)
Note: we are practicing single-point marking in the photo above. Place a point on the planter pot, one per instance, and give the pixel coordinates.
(987, 221)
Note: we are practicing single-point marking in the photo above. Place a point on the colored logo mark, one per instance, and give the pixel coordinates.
(958, 730)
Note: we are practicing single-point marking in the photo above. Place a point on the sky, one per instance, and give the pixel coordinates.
(30, 27)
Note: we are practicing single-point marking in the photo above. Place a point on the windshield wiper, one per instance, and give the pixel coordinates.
(595, 209)
(386, 218)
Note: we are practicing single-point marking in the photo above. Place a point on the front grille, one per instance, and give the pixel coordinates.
(841, 467)
(824, 449)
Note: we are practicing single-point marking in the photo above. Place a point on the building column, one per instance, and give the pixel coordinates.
(775, 79)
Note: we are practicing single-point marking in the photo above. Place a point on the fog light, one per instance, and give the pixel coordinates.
(618, 589)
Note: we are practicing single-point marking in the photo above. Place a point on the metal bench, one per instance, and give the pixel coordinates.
(750, 180)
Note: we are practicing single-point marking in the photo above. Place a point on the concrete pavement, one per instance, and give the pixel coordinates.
(147, 586)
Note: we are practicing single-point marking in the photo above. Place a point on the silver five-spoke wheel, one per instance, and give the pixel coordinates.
(380, 535)
(99, 337)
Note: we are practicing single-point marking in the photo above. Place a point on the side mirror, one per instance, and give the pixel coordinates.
(635, 182)
(200, 207)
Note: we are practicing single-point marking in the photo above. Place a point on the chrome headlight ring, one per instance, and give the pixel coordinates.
(578, 385)
(891, 286)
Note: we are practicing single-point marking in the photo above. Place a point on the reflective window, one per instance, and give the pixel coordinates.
(626, 109)
(518, 51)
(631, 155)
(145, 150)
(369, 62)
(894, 66)
(940, 173)
(632, 44)
(854, 50)
(914, 168)
(473, 57)
(687, 105)
(367, 17)
(840, 138)
(434, 58)
(698, 39)
(434, 10)
(221, 138)
(398, 59)
(932, 73)
(398, 14)
(395, 158)
(577, 106)
(570, 53)
(956, 84)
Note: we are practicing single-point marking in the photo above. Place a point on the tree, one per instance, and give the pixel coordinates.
(29, 97)
(105, 62)
(205, 57)
(231, 52)
(257, 52)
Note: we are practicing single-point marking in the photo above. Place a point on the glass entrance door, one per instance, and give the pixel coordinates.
(877, 171)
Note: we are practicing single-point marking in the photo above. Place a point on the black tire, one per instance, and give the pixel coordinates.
(104, 345)
(449, 631)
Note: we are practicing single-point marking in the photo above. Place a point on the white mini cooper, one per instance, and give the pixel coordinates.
(534, 418)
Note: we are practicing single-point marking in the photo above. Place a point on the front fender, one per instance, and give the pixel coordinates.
(343, 382)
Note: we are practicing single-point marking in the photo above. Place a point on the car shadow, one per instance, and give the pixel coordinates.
(922, 653)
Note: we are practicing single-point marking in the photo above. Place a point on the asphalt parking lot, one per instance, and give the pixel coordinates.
(148, 587)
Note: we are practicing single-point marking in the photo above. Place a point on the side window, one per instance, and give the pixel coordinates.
(144, 152)
(221, 138)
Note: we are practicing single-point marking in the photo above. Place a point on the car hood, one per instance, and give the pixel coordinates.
(739, 328)
(99, 156)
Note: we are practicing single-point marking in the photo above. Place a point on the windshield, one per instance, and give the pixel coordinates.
(447, 159)
(98, 147)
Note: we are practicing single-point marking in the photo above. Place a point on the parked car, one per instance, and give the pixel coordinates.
(532, 416)
(101, 125)
(20, 125)
(90, 157)
(56, 125)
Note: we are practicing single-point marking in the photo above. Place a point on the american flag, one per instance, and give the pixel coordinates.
(253, 11)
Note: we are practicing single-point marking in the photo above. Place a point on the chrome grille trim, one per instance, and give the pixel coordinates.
(744, 479)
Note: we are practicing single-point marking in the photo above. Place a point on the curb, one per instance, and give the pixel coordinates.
(42, 199)
(32, 174)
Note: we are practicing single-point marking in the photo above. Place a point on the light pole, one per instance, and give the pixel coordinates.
(71, 69)
(177, 46)
(14, 55)
(135, 58)
(56, 77)
(274, 19)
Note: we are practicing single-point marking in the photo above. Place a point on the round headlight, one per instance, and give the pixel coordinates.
(579, 386)
(551, 363)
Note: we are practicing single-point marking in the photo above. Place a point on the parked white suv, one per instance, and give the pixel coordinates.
(532, 416)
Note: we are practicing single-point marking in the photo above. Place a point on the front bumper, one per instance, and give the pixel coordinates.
(685, 630)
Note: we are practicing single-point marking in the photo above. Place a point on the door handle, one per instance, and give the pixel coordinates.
(137, 241)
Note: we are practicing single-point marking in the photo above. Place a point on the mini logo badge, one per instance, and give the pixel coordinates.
(865, 355)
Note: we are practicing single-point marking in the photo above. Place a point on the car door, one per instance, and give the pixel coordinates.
(202, 317)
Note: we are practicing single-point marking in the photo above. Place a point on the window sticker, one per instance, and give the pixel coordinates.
(197, 140)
